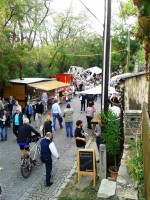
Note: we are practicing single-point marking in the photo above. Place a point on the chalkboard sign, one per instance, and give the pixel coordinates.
(86, 161)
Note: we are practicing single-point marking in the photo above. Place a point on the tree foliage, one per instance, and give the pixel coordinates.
(38, 42)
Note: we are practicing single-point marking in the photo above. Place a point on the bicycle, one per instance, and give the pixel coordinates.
(28, 161)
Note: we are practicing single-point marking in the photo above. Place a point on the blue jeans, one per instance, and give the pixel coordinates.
(69, 128)
(55, 116)
(5, 130)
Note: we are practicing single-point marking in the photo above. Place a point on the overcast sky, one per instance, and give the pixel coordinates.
(96, 7)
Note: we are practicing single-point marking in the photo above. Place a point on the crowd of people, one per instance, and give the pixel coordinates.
(23, 128)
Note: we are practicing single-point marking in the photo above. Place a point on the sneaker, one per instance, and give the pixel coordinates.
(49, 184)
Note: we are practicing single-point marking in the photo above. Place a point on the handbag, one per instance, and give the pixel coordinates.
(60, 119)
(2, 125)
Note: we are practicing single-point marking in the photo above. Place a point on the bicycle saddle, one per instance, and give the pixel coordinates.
(26, 147)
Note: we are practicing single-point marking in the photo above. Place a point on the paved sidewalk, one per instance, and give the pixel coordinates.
(15, 187)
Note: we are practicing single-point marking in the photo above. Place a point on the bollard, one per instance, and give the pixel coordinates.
(102, 163)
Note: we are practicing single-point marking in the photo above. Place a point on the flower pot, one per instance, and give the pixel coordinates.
(112, 172)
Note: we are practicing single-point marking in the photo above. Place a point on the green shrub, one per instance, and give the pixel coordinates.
(135, 165)
(111, 134)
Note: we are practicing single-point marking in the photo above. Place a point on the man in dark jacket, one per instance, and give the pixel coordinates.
(83, 100)
(47, 150)
(24, 136)
(80, 135)
(39, 109)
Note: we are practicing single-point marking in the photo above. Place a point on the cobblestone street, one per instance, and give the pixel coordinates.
(15, 187)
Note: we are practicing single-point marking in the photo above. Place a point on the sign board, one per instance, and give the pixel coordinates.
(86, 163)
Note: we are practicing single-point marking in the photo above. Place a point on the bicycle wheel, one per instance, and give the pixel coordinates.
(37, 158)
(26, 167)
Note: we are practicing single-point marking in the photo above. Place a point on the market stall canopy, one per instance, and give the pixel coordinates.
(48, 85)
(97, 90)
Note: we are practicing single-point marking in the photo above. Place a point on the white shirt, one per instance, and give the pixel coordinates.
(55, 108)
(116, 110)
(53, 150)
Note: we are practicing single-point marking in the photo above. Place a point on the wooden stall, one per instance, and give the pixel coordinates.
(31, 88)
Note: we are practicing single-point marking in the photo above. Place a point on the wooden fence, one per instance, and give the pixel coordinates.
(146, 150)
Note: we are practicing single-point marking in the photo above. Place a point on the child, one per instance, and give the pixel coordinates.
(97, 133)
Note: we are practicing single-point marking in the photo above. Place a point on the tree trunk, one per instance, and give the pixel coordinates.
(149, 85)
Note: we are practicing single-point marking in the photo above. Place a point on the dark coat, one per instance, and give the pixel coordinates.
(39, 108)
(48, 127)
(24, 133)
(7, 121)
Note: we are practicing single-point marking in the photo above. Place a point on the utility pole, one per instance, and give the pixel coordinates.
(106, 55)
(128, 53)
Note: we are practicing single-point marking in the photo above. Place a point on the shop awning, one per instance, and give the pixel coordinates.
(48, 85)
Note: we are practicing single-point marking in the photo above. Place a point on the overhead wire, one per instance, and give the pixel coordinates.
(89, 55)
(91, 12)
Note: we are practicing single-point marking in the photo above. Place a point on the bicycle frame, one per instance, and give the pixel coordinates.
(29, 161)
(36, 146)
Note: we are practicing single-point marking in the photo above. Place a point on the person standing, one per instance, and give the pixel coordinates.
(39, 109)
(18, 118)
(47, 124)
(68, 117)
(81, 86)
(29, 111)
(83, 100)
(89, 114)
(80, 135)
(44, 99)
(16, 106)
(4, 124)
(10, 105)
(114, 100)
(48, 149)
(1, 107)
(97, 133)
(89, 99)
(56, 112)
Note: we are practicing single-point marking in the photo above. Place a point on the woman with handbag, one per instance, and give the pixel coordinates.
(4, 124)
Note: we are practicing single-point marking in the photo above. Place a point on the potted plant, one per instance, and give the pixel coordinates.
(111, 135)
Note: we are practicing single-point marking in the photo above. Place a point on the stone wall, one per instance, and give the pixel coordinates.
(136, 91)
(132, 124)
(124, 188)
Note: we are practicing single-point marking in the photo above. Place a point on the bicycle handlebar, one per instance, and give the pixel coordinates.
(35, 138)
